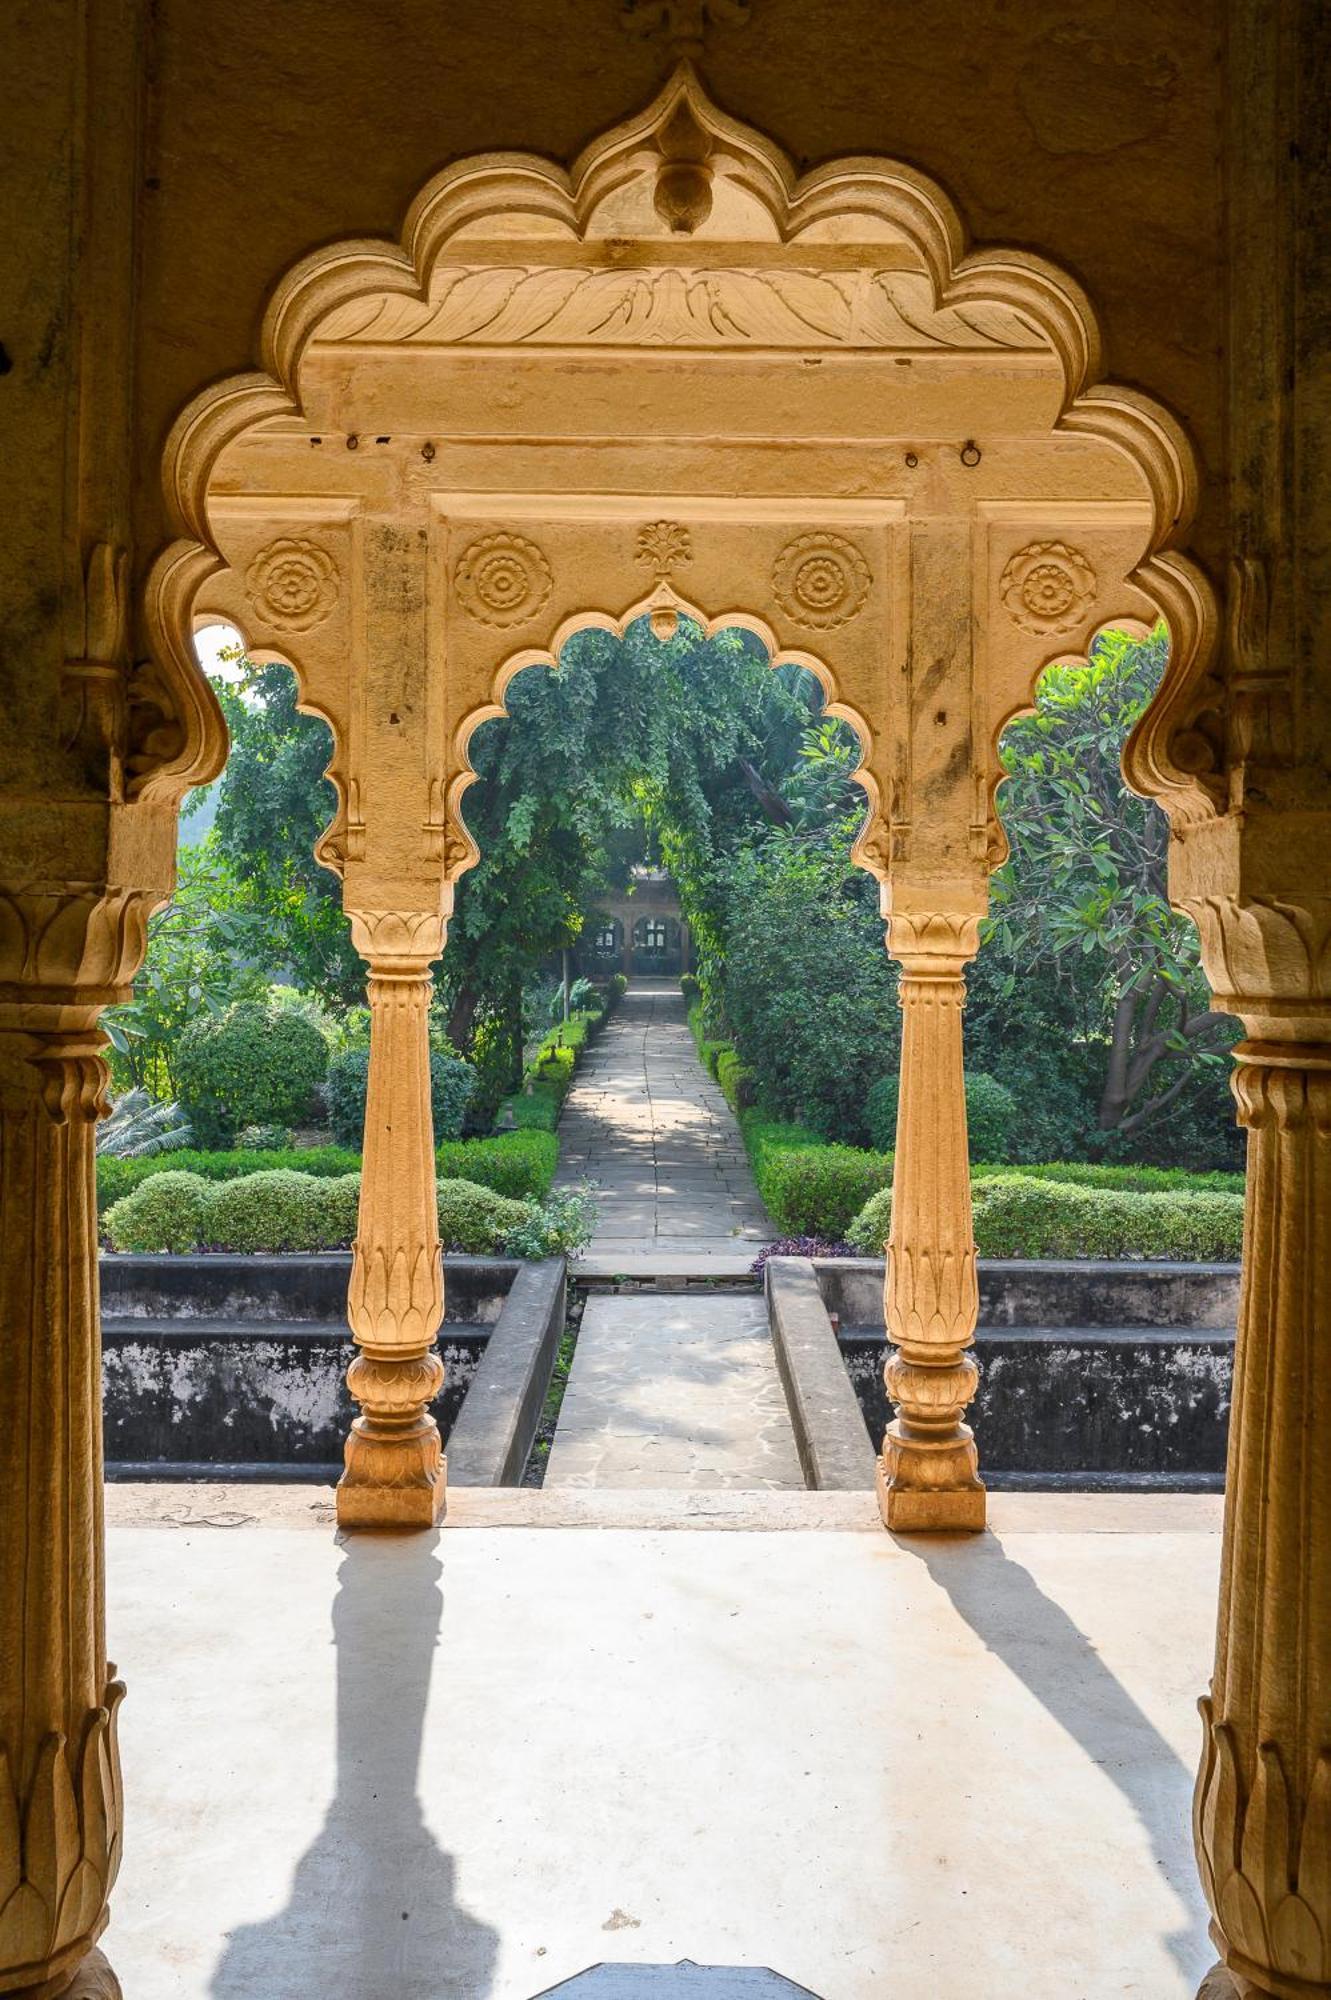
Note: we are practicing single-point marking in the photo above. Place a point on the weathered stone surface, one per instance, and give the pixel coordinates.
(652, 1129)
(674, 1392)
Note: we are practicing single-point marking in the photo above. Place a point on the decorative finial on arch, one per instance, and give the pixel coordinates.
(682, 24)
(682, 196)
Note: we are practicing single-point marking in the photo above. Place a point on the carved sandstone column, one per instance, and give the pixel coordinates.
(927, 1475)
(394, 1475)
(1263, 1803)
(60, 1813)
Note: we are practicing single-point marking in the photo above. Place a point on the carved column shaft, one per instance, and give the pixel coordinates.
(927, 1475)
(1263, 1803)
(60, 1816)
(394, 1475)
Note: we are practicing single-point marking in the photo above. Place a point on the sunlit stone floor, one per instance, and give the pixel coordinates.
(744, 1729)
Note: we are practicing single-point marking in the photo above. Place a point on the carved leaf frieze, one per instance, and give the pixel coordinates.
(692, 307)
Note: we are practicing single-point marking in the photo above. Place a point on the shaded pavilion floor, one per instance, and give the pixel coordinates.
(739, 1728)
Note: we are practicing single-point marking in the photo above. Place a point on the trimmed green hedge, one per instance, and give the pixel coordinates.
(549, 1076)
(1017, 1216)
(116, 1178)
(818, 1190)
(518, 1164)
(285, 1211)
(1132, 1180)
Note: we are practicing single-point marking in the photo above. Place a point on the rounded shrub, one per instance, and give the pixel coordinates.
(817, 1190)
(475, 1220)
(619, 985)
(991, 1114)
(1016, 1216)
(164, 1213)
(452, 1087)
(269, 1212)
(257, 1065)
(868, 1233)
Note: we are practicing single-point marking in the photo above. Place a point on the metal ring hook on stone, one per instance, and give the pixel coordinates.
(971, 453)
(912, 459)
(353, 442)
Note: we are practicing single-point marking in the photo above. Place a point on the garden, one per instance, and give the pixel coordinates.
(1096, 1088)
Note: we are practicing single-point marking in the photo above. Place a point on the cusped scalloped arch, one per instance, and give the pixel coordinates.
(617, 624)
(611, 183)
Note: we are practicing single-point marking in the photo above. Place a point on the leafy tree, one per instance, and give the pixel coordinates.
(808, 991)
(204, 952)
(1080, 911)
(274, 804)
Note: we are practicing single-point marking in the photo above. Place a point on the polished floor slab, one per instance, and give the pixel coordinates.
(470, 1765)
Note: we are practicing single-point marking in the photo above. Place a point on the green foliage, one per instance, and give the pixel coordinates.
(271, 1212)
(1137, 1180)
(263, 1139)
(619, 986)
(991, 1114)
(738, 1083)
(518, 1164)
(1017, 1216)
(560, 1227)
(116, 1178)
(452, 1086)
(869, 1231)
(690, 987)
(475, 1220)
(256, 1065)
(583, 998)
(810, 1188)
(274, 804)
(166, 1213)
(138, 1129)
(1082, 936)
(205, 951)
(808, 992)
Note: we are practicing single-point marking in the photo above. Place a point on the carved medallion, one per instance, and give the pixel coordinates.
(293, 585)
(821, 580)
(665, 545)
(1048, 587)
(502, 580)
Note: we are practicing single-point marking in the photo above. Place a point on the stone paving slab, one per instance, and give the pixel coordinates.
(674, 1392)
(647, 1123)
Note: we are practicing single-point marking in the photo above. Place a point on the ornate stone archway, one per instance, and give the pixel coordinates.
(675, 380)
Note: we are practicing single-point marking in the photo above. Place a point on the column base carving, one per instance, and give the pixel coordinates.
(1221, 1983)
(394, 1476)
(392, 1482)
(92, 1979)
(930, 1489)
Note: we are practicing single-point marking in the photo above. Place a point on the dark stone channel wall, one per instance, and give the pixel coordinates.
(1091, 1374)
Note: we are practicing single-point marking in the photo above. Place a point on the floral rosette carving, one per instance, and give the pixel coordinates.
(821, 580)
(502, 580)
(1048, 587)
(293, 585)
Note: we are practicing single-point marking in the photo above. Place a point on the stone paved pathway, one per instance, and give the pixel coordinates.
(674, 1393)
(667, 1391)
(646, 1121)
